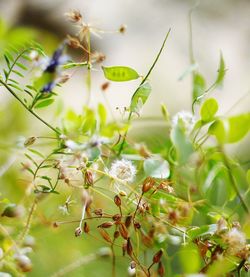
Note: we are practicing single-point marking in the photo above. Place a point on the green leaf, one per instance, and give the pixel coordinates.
(156, 167)
(182, 144)
(15, 86)
(102, 115)
(190, 258)
(209, 109)
(202, 231)
(72, 65)
(221, 72)
(232, 129)
(199, 86)
(18, 73)
(140, 97)
(120, 73)
(44, 103)
(21, 66)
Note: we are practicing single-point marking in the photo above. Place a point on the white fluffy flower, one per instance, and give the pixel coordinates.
(186, 118)
(236, 240)
(124, 171)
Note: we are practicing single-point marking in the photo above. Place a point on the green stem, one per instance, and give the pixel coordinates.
(33, 113)
(142, 82)
(233, 182)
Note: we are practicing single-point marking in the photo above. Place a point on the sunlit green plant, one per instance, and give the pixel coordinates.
(178, 210)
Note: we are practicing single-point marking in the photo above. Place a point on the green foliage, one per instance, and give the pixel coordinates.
(120, 73)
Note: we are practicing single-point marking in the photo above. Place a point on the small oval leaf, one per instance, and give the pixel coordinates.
(120, 73)
(44, 103)
(209, 109)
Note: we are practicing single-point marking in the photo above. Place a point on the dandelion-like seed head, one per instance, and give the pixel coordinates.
(187, 120)
(236, 241)
(123, 170)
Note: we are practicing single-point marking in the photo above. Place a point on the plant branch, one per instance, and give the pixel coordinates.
(33, 113)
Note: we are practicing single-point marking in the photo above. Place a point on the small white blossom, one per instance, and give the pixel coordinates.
(124, 171)
(186, 118)
(236, 241)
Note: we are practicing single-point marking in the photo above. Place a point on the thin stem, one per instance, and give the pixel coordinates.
(33, 113)
(142, 82)
(233, 182)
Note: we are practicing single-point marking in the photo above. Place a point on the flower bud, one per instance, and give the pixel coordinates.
(157, 257)
(78, 231)
(86, 228)
(161, 269)
(117, 217)
(106, 225)
(88, 179)
(105, 86)
(117, 201)
(123, 231)
(105, 235)
(29, 141)
(24, 263)
(129, 247)
(147, 184)
(98, 212)
(128, 221)
(137, 225)
(116, 234)
(13, 210)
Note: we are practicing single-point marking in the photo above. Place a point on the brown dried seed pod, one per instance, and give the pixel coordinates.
(88, 178)
(78, 231)
(117, 201)
(124, 248)
(129, 247)
(157, 256)
(117, 217)
(128, 221)
(133, 264)
(105, 235)
(98, 212)
(147, 184)
(105, 86)
(106, 225)
(86, 228)
(116, 234)
(123, 231)
(161, 269)
(137, 225)
(73, 42)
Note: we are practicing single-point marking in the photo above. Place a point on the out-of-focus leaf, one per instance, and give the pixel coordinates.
(199, 86)
(202, 231)
(232, 129)
(44, 103)
(156, 167)
(140, 96)
(190, 258)
(182, 144)
(120, 73)
(102, 115)
(221, 72)
(188, 71)
(209, 109)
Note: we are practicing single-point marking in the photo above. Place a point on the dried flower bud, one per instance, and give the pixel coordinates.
(106, 225)
(122, 193)
(133, 264)
(55, 225)
(29, 141)
(117, 201)
(13, 210)
(98, 212)
(105, 86)
(105, 235)
(78, 231)
(73, 42)
(161, 269)
(98, 57)
(124, 248)
(129, 247)
(122, 29)
(116, 234)
(88, 179)
(137, 225)
(117, 217)
(24, 263)
(157, 256)
(123, 231)
(128, 221)
(86, 228)
(148, 184)
(74, 16)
